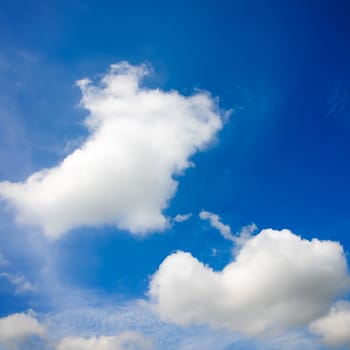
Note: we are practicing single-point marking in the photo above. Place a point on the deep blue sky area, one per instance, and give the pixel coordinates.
(281, 160)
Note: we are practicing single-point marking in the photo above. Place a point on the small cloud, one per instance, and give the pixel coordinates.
(182, 217)
(278, 281)
(239, 238)
(215, 222)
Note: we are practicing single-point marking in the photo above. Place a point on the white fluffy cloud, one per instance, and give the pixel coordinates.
(124, 172)
(334, 328)
(124, 341)
(277, 280)
(17, 328)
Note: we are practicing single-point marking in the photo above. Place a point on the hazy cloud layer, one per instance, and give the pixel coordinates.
(17, 332)
(135, 326)
(277, 280)
(108, 327)
(124, 341)
(124, 172)
(334, 328)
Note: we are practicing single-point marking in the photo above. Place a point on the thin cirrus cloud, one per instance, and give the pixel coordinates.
(334, 328)
(123, 174)
(276, 282)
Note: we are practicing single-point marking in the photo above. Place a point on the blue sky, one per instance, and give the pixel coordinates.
(240, 110)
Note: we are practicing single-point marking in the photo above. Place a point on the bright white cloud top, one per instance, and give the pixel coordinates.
(334, 328)
(124, 172)
(18, 328)
(277, 280)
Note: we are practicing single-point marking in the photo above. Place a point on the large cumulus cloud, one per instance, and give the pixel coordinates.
(123, 174)
(277, 281)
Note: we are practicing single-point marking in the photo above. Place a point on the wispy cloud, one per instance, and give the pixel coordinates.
(21, 283)
(238, 239)
(182, 217)
(215, 221)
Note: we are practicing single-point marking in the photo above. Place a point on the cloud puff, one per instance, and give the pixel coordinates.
(18, 328)
(334, 328)
(126, 340)
(277, 280)
(182, 217)
(123, 174)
